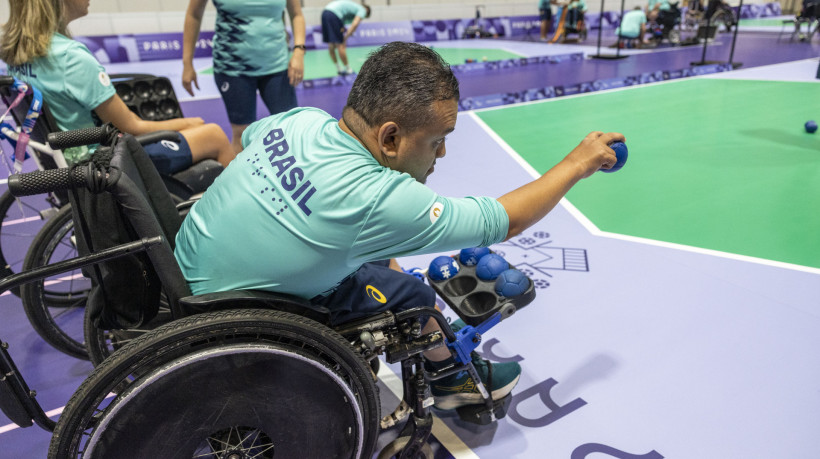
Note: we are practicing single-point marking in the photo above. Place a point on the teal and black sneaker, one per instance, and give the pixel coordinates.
(459, 389)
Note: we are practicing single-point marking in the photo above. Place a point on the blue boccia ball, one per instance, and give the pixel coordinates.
(470, 256)
(442, 268)
(811, 126)
(621, 152)
(490, 266)
(511, 283)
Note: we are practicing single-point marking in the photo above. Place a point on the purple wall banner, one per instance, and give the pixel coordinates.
(149, 47)
(494, 100)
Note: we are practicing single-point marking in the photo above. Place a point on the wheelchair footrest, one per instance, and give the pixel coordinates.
(479, 414)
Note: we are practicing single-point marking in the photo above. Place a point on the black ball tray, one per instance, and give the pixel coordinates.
(475, 300)
(150, 97)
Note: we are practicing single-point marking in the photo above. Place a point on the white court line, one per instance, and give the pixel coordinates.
(445, 436)
(21, 220)
(55, 281)
(595, 231)
(52, 413)
(12, 426)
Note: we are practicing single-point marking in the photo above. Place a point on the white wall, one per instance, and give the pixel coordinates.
(112, 17)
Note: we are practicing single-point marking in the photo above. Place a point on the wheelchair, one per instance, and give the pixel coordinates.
(666, 26)
(230, 374)
(571, 22)
(54, 306)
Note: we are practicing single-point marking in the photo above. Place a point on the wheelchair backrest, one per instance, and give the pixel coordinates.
(126, 291)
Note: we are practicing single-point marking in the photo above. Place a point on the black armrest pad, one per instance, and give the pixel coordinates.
(255, 299)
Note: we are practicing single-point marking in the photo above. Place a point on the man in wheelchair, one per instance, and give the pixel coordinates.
(313, 207)
(300, 223)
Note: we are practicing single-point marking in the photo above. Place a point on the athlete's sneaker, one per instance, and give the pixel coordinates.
(459, 389)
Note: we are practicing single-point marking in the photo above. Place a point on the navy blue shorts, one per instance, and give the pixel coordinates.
(170, 157)
(239, 95)
(332, 28)
(376, 288)
(546, 14)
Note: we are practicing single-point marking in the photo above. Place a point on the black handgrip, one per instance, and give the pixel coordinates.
(39, 182)
(6, 80)
(104, 135)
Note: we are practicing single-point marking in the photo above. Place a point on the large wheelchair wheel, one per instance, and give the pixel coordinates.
(55, 305)
(21, 221)
(240, 383)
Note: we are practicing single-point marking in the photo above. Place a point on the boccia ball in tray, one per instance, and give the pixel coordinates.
(150, 97)
(473, 296)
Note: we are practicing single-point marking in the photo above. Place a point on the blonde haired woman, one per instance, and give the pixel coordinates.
(38, 49)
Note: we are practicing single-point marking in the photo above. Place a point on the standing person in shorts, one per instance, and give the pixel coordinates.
(38, 49)
(336, 15)
(250, 55)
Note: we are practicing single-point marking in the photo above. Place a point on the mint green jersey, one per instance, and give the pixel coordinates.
(73, 84)
(250, 38)
(346, 10)
(305, 205)
(631, 24)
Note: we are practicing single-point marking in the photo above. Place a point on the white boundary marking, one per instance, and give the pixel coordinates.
(12, 426)
(55, 281)
(595, 231)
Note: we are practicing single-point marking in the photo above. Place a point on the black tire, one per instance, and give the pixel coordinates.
(205, 374)
(56, 310)
(21, 221)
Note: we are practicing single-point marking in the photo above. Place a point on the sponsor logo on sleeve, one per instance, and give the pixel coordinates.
(435, 211)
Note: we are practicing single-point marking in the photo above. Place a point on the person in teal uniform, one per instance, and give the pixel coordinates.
(39, 50)
(336, 15)
(545, 14)
(320, 208)
(654, 8)
(633, 26)
(250, 56)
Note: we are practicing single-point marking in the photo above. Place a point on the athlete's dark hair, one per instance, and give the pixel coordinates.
(399, 82)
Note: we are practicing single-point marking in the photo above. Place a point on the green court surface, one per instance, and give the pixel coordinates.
(713, 163)
(762, 22)
(319, 65)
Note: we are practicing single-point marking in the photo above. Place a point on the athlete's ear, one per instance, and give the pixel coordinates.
(389, 139)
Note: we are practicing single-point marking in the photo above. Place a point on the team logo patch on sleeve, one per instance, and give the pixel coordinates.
(436, 211)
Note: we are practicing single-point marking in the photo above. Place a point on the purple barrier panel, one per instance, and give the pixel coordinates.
(509, 63)
(773, 9)
(147, 47)
(752, 10)
(490, 100)
(169, 46)
(112, 48)
(493, 100)
(593, 20)
(435, 30)
(524, 25)
(712, 68)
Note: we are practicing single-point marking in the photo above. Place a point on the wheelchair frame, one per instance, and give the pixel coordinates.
(396, 335)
